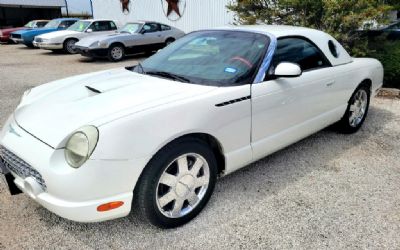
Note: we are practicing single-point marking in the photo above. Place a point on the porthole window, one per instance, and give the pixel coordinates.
(333, 48)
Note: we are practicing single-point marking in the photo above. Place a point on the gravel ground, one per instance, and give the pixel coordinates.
(327, 191)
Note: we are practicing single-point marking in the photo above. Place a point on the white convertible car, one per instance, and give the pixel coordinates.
(156, 136)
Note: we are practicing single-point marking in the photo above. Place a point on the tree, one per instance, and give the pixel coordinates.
(340, 18)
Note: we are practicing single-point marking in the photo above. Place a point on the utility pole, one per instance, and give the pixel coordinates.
(66, 7)
(91, 7)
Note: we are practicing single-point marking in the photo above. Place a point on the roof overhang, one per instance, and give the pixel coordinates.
(33, 3)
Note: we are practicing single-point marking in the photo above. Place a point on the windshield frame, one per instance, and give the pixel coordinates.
(220, 83)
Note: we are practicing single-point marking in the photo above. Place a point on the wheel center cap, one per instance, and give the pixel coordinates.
(184, 186)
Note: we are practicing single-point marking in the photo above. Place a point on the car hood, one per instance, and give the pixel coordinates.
(51, 112)
(9, 30)
(60, 33)
(86, 42)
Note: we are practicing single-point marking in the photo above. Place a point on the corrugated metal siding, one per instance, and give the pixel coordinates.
(36, 3)
(199, 14)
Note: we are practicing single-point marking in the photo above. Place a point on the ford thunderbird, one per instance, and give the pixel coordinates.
(154, 137)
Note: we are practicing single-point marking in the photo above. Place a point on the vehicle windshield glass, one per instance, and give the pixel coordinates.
(30, 24)
(131, 28)
(53, 24)
(217, 58)
(79, 26)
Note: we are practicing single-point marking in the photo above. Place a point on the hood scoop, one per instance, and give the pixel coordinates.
(105, 86)
(93, 90)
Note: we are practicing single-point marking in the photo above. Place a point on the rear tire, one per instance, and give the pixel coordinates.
(177, 183)
(116, 53)
(69, 46)
(169, 41)
(356, 112)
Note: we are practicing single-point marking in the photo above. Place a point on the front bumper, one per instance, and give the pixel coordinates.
(48, 46)
(85, 51)
(73, 194)
(4, 39)
(17, 40)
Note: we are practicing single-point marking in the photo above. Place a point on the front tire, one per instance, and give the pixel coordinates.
(69, 46)
(356, 111)
(177, 183)
(116, 53)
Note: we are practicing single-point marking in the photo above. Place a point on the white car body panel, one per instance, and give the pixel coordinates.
(137, 115)
(55, 40)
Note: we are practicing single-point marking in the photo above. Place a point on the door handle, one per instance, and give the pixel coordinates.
(330, 83)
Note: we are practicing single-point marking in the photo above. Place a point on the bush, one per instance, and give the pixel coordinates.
(388, 52)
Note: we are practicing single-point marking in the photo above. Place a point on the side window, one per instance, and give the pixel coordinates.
(165, 27)
(40, 24)
(151, 27)
(65, 24)
(300, 51)
(100, 26)
(113, 26)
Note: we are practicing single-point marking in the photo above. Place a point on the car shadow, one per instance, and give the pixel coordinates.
(137, 57)
(239, 191)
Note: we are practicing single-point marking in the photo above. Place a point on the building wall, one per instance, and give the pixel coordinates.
(198, 14)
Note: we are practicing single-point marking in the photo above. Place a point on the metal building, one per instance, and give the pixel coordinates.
(19, 12)
(187, 15)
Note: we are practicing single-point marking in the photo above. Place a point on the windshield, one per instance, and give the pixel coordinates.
(79, 26)
(218, 58)
(53, 24)
(131, 28)
(30, 24)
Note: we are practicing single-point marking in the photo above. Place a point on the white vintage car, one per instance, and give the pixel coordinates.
(66, 39)
(156, 136)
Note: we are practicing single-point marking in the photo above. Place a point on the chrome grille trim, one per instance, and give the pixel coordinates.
(20, 167)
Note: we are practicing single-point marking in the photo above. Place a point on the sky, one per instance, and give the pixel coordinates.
(78, 6)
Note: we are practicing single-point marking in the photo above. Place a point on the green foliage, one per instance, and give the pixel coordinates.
(388, 52)
(340, 18)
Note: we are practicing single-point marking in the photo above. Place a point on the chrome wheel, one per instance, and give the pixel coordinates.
(70, 46)
(117, 53)
(358, 108)
(182, 185)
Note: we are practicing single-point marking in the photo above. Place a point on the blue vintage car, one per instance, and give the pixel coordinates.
(27, 36)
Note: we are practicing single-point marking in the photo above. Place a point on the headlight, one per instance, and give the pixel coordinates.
(81, 145)
(99, 45)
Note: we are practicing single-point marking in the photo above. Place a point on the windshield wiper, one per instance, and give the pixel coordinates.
(169, 75)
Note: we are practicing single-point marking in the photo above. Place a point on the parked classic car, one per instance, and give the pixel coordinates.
(133, 38)
(27, 36)
(66, 39)
(5, 33)
(156, 136)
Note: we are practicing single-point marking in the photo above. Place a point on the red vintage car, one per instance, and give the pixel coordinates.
(5, 33)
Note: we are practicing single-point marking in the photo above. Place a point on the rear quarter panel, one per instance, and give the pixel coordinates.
(349, 76)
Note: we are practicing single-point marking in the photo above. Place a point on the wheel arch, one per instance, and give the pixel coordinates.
(70, 38)
(117, 43)
(210, 140)
(170, 38)
(366, 82)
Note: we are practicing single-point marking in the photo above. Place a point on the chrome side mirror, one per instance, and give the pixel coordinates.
(89, 31)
